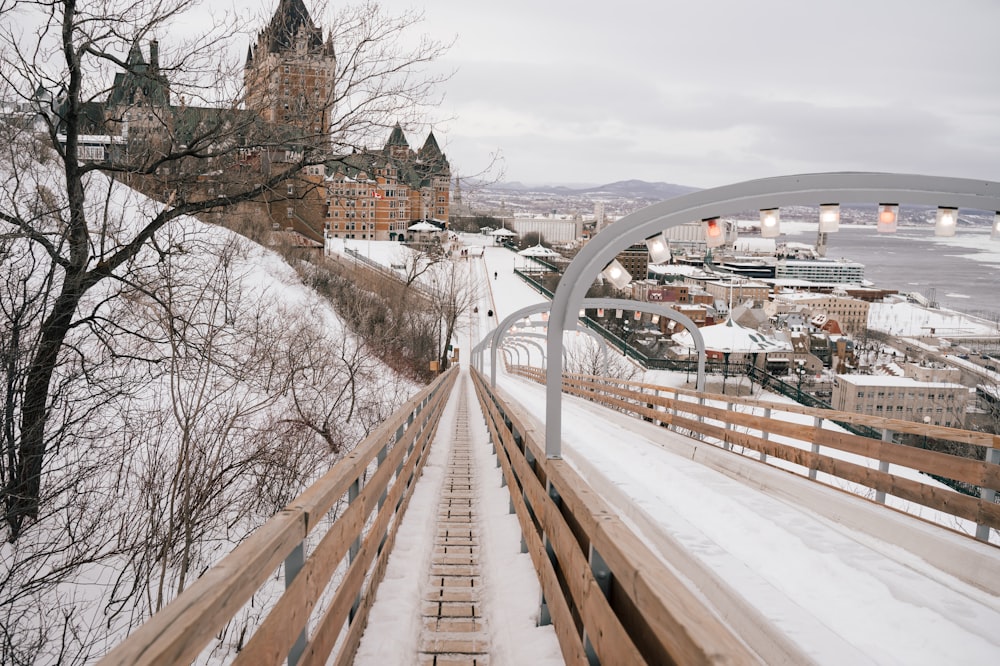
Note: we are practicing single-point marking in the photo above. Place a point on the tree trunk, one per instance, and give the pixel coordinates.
(22, 495)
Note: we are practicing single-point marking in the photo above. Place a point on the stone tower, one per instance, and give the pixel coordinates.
(289, 74)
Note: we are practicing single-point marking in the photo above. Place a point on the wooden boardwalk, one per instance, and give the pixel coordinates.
(454, 629)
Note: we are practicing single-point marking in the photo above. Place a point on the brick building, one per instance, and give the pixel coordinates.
(378, 195)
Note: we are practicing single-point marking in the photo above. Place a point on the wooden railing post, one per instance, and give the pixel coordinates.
(352, 552)
(987, 494)
(602, 576)
(814, 447)
(728, 444)
(293, 564)
(765, 435)
(883, 465)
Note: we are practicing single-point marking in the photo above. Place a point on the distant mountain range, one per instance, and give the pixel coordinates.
(639, 189)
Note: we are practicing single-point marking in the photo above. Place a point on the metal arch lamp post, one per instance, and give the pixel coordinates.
(800, 190)
(522, 339)
(581, 328)
(480, 347)
(496, 336)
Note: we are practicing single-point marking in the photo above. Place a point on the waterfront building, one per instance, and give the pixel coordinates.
(553, 229)
(820, 270)
(934, 403)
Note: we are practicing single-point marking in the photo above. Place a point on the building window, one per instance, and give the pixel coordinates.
(291, 189)
(290, 212)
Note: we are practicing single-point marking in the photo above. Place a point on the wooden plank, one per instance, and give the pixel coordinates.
(570, 642)
(352, 640)
(896, 425)
(646, 580)
(946, 500)
(946, 465)
(324, 493)
(328, 628)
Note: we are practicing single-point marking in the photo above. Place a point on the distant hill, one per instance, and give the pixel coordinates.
(638, 189)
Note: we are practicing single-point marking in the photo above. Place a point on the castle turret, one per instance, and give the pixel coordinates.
(289, 73)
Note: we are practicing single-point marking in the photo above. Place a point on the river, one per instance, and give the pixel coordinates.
(961, 272)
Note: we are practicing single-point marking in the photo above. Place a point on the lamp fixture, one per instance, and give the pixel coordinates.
(770, 222)
(888, 216)
(714, 237)
(947, 221)
(616, 274)
(659, 249)
(995, 234)
(829, 218)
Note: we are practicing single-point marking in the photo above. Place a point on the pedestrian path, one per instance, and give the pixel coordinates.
(454, 628)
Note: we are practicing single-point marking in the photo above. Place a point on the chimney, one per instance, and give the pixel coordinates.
(154, 56)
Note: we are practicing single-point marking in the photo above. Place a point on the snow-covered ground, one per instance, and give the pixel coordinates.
(912, 320)
(828, 592)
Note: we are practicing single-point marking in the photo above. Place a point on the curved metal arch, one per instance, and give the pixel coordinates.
(663, 311)
(798, 190)
(509, 353)
(517, 348)
(581, 328)
(495, 337)
(520, 337)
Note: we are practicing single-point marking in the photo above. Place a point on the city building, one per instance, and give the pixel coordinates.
(650, 291)
(552, 228)
(635, 259)
(289, 76)
(820, 270)
(729, 289)
(850, 313)
(934, 403)
(378, 195)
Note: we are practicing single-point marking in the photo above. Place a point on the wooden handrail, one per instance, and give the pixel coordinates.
(697, 417)
(574, 537)
(972, 437)
(181, 630)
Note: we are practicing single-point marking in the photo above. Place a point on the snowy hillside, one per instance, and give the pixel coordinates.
(201, 388)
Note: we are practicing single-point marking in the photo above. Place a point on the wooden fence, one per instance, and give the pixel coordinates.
(606, 593)
(717, 417)
(377, 478)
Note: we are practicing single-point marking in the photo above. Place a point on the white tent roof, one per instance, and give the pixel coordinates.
(423, 226)
(503, 232)
(538, 251)
(730, 337)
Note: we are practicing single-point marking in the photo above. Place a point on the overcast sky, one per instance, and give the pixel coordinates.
(709, 93)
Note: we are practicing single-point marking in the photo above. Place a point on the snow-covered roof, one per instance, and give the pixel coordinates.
(888, 380)
(538, 251)
(423, 226)
(732, 338)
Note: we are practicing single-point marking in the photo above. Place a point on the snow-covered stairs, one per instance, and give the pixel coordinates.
(454, 629)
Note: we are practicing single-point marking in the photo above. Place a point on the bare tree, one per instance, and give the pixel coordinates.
(586, 357)
(70, 218)
(455, 291)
